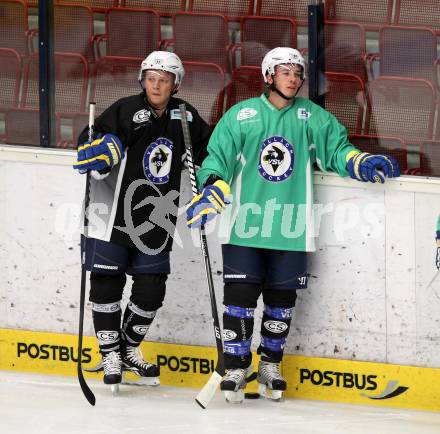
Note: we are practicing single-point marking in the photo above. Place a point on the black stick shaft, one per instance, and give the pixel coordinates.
(84, 387)
(203, 242)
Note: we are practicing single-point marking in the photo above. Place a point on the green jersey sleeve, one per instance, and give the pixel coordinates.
(331, 142)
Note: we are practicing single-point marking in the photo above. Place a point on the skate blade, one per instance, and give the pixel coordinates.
(115, 389)
(136, 380)
(234, 397)
(274, 395)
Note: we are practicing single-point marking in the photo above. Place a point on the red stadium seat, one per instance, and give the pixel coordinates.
(383, 145)
(71, 73)
(201, 38)
(114, 78)
(233, 10)
(74, 30)
(137, 43)
(165, 8)
(258, 35)
(10, 78)
(14, 26)
(246, 82)
(345, 98)
(400, 107)
(22, 127)
(295, 9)
(345, 48)
(423, 13)
(430, 158)
(371, 14)
(408, 52)
(94, 5)
(204, 88)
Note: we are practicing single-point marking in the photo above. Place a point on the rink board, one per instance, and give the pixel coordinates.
(315, 378)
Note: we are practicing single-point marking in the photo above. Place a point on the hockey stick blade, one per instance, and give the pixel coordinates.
(86, 389)
(207, 393)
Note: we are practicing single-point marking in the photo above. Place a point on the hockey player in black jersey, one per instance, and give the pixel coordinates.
(135, 163)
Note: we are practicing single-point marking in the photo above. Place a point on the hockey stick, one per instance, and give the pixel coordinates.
(206, 394)
(82, 382)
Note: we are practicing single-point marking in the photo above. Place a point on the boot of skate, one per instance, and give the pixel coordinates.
(112, 366)
(133, 361)
(234, 383)
(271, 382)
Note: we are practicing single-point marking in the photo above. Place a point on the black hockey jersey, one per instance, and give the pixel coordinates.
(136, 203)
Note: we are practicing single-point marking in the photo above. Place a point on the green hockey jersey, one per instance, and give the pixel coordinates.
(267, 157)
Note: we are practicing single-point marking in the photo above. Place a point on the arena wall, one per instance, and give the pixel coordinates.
(372, 296)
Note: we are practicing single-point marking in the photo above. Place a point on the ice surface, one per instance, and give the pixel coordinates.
(47, 404)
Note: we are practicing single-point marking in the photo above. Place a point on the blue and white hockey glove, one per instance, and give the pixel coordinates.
(103, 153)
(206, 205)
(370, 167)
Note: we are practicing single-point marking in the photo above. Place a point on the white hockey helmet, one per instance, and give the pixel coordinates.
(163, 61)
(280, 56)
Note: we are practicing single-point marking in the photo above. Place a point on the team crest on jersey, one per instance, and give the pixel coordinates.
(276, 159)
(141, 116)
(157, 161)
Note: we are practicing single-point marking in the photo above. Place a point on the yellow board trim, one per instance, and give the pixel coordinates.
(346, 381)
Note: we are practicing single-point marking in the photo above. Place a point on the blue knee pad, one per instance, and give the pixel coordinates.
(280, 313)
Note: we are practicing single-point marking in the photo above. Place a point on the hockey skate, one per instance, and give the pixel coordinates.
(133, 361)
(234, 383)
(272, 384)
(112, 366)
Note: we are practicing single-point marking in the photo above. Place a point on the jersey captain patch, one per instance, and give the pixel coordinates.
(276, 159)
(157, 161)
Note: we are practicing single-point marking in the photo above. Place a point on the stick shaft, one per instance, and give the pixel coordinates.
(84, 387)
(208, 390)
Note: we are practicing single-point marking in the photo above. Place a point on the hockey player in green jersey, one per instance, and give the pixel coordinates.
(263, 151)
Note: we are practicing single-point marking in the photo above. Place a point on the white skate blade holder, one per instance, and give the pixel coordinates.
(274, 395)
(137, 380)
(234, 397)
(115, 389)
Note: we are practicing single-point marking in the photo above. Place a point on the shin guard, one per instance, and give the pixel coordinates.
(136, 323)
(107, 321)
(238, 324)
(275, 327)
